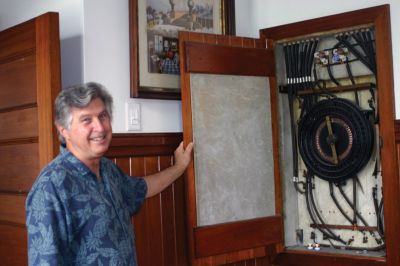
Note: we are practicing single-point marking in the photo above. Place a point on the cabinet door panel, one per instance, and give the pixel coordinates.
(229, 112)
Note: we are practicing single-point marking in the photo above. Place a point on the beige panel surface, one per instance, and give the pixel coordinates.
(233, 155)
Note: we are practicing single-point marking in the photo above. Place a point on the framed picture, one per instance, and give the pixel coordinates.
(154, 49)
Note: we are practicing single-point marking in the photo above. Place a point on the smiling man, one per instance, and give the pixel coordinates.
(79, 209)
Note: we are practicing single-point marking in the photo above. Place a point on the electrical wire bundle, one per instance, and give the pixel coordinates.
(298, 61)
(334, 136)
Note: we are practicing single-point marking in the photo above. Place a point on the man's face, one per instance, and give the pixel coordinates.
(90, 132)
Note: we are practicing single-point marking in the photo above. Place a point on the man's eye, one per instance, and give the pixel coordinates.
(103, 116)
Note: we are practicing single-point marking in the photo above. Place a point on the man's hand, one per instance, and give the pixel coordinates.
(159, 181)
(183, 156)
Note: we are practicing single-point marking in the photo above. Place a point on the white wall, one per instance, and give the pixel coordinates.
(13, 12)
(277, 12)
(106, 60)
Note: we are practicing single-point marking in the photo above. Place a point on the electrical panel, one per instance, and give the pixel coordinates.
(328, 82)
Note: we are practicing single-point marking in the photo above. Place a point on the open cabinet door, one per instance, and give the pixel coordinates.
(29, 82)
(233, 194)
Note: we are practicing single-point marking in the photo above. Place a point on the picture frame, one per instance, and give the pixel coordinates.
(158, 85)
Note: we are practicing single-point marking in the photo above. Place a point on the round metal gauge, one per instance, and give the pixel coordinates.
(335, 139)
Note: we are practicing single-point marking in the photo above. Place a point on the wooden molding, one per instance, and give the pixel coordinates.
(143, 144)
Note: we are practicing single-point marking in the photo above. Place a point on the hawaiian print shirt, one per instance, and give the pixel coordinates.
(74, 219)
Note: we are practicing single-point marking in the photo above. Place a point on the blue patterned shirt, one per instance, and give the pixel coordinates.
(74, 219)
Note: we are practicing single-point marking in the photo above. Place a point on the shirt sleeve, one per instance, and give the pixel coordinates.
(46, 225)
(128, 189)
(134, 193)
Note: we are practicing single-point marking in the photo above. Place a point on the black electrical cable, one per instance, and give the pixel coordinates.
(365, 45)
(351, 204)
(332, 193)
(308, 100)
(377, 211)
(336, 46)
(310, 211)
(307, 46)
(317, 81)
(313, 47)
(292, 66)
(292, 123)
(301, 66)
(361, 42)
(352, 136)
(328, 68)
(359, 214)
(314, 98)
(380, 216)
(370, 43)
(369, 50)
(296, 63)
(355, 201)
(349, 72)
(356, 53)
(290, 63)
(310, 198)
(377, 248)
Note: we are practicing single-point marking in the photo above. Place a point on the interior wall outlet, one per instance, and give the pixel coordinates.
(133, 116)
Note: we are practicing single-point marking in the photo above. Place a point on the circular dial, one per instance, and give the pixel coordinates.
(335, 139)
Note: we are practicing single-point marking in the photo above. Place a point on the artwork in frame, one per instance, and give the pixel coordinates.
(154, 49)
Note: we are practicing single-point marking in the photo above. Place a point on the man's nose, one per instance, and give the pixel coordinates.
(98, 124)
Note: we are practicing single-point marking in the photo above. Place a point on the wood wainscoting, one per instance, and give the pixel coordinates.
(160, 226)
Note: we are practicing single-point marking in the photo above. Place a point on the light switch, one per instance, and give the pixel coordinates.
(133, 121)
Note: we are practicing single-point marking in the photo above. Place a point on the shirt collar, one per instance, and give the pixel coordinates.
(74, 162)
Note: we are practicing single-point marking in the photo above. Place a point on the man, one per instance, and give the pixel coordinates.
(78, 210)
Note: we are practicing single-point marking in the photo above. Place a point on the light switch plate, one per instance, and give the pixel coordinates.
(132, 116)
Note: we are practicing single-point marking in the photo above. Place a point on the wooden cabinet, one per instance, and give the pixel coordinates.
(239, 186)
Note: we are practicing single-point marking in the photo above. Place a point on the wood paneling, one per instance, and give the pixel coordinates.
(20, 167)
(142, 144)
(236, 60)
(321, 258)
(18, 82)
(223, 238)
(335, 22)
(13, 245)
(159, 226)
(25, 119)
(48, 77)
(29, 81)
(17, 40)
(12, 209)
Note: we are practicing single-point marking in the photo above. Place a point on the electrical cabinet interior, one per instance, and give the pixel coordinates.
(332, 189)
(334, 144)
(335, 78)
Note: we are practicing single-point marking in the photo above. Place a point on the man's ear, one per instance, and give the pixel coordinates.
(63, 132)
